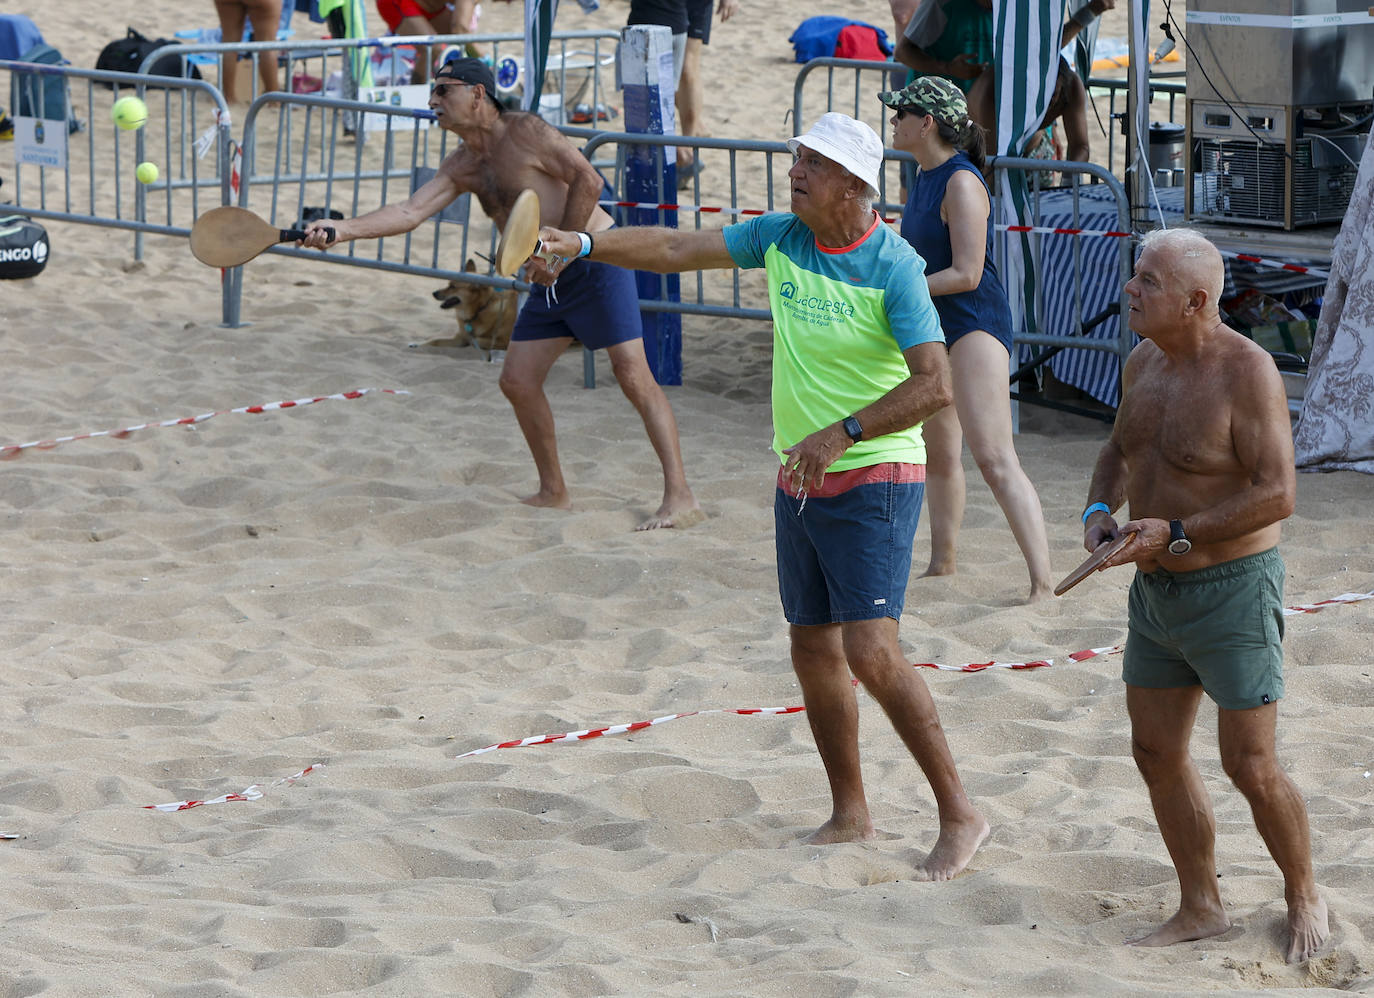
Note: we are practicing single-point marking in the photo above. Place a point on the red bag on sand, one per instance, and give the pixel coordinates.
(859, 41)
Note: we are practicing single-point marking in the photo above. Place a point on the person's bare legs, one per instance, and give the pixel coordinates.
(870, 650)
(440, 24)
(833, 713)
(979, 364)
(1161, 724)
(526, 366)
(231, 18)
(464, 22)
(876, 659)
(944, 498)
(265, 16)
(689, 99)
(1249, 759)
(631, 368)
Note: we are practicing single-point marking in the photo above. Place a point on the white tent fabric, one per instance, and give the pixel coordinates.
(1336, 428)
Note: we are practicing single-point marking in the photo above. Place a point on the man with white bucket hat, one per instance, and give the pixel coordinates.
(858, 361)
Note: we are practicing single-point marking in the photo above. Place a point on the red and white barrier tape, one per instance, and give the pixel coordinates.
(621, 729)
(10, 451)
(1262, 262)
(255, 792)
(1115, 234)
(1077, 656)
(1048, 230)
(1290, 611)
(1051, 230)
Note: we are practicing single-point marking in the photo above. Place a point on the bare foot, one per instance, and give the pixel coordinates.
(1307, 930)
(1040, 592)
(551, 500)
(937, 568)
(957, 843)
(671, 515)
(1184, 927)
(836, 830)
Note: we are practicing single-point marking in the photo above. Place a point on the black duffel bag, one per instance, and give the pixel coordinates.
(126, 55)
(23, 247)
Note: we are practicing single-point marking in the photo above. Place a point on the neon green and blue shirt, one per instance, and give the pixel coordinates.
(841, 319)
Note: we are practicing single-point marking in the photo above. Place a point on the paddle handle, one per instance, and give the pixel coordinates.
(548, 255)
(296, 235)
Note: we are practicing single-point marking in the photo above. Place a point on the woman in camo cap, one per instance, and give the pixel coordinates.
(947, 220)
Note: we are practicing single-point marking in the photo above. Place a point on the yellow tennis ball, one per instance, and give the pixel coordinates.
(129, 113)
(146, 173)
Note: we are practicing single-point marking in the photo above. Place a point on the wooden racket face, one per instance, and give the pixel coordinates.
(521, 235)
(1100, 554)
(229, 236)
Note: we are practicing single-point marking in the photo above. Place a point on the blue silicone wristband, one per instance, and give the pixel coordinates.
(1093, 509)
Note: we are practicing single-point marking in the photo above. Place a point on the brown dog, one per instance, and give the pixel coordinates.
(486, 315)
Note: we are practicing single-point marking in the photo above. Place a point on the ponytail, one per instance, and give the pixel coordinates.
(968, 139)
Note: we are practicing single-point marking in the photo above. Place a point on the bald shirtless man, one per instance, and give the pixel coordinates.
(502, 153)
(1202, 451)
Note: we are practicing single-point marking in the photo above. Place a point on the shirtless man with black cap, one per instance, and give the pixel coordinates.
(502, 153)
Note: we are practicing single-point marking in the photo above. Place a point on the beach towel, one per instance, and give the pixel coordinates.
(820, 36)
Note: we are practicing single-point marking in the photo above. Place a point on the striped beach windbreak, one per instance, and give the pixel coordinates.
(1027, 33)
(539, 15)
(1027, 36)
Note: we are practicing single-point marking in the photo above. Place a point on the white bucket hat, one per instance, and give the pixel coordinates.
(851, 143)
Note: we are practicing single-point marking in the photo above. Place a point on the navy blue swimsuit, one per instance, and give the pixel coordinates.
(985, 307)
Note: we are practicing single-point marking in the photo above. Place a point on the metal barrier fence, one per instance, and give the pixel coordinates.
(186, 137)
(186, 121)
(188, 118)
(305, 179)
(1048, 313)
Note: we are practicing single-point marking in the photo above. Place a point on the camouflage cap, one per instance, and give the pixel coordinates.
(934, 95)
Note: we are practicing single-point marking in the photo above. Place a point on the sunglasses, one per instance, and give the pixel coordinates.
(441, 89)
(902, 112)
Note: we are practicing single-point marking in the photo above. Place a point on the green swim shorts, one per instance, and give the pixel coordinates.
(1220, 627)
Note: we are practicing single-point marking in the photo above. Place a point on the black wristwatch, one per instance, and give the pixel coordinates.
(1178, 540)
(853, 428)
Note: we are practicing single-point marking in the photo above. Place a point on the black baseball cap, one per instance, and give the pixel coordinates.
(468, 70)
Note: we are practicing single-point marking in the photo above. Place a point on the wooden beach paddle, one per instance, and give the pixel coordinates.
(520, 239)
(1100, 554)
(229, 236)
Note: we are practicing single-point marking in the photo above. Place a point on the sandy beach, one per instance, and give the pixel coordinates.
(352, 585)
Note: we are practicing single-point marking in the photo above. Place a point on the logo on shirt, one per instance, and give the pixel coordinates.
(813, 308)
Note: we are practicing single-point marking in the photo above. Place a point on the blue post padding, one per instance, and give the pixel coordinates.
(648, 175)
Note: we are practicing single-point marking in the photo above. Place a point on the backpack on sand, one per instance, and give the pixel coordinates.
(35, 96)
(126, 55)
